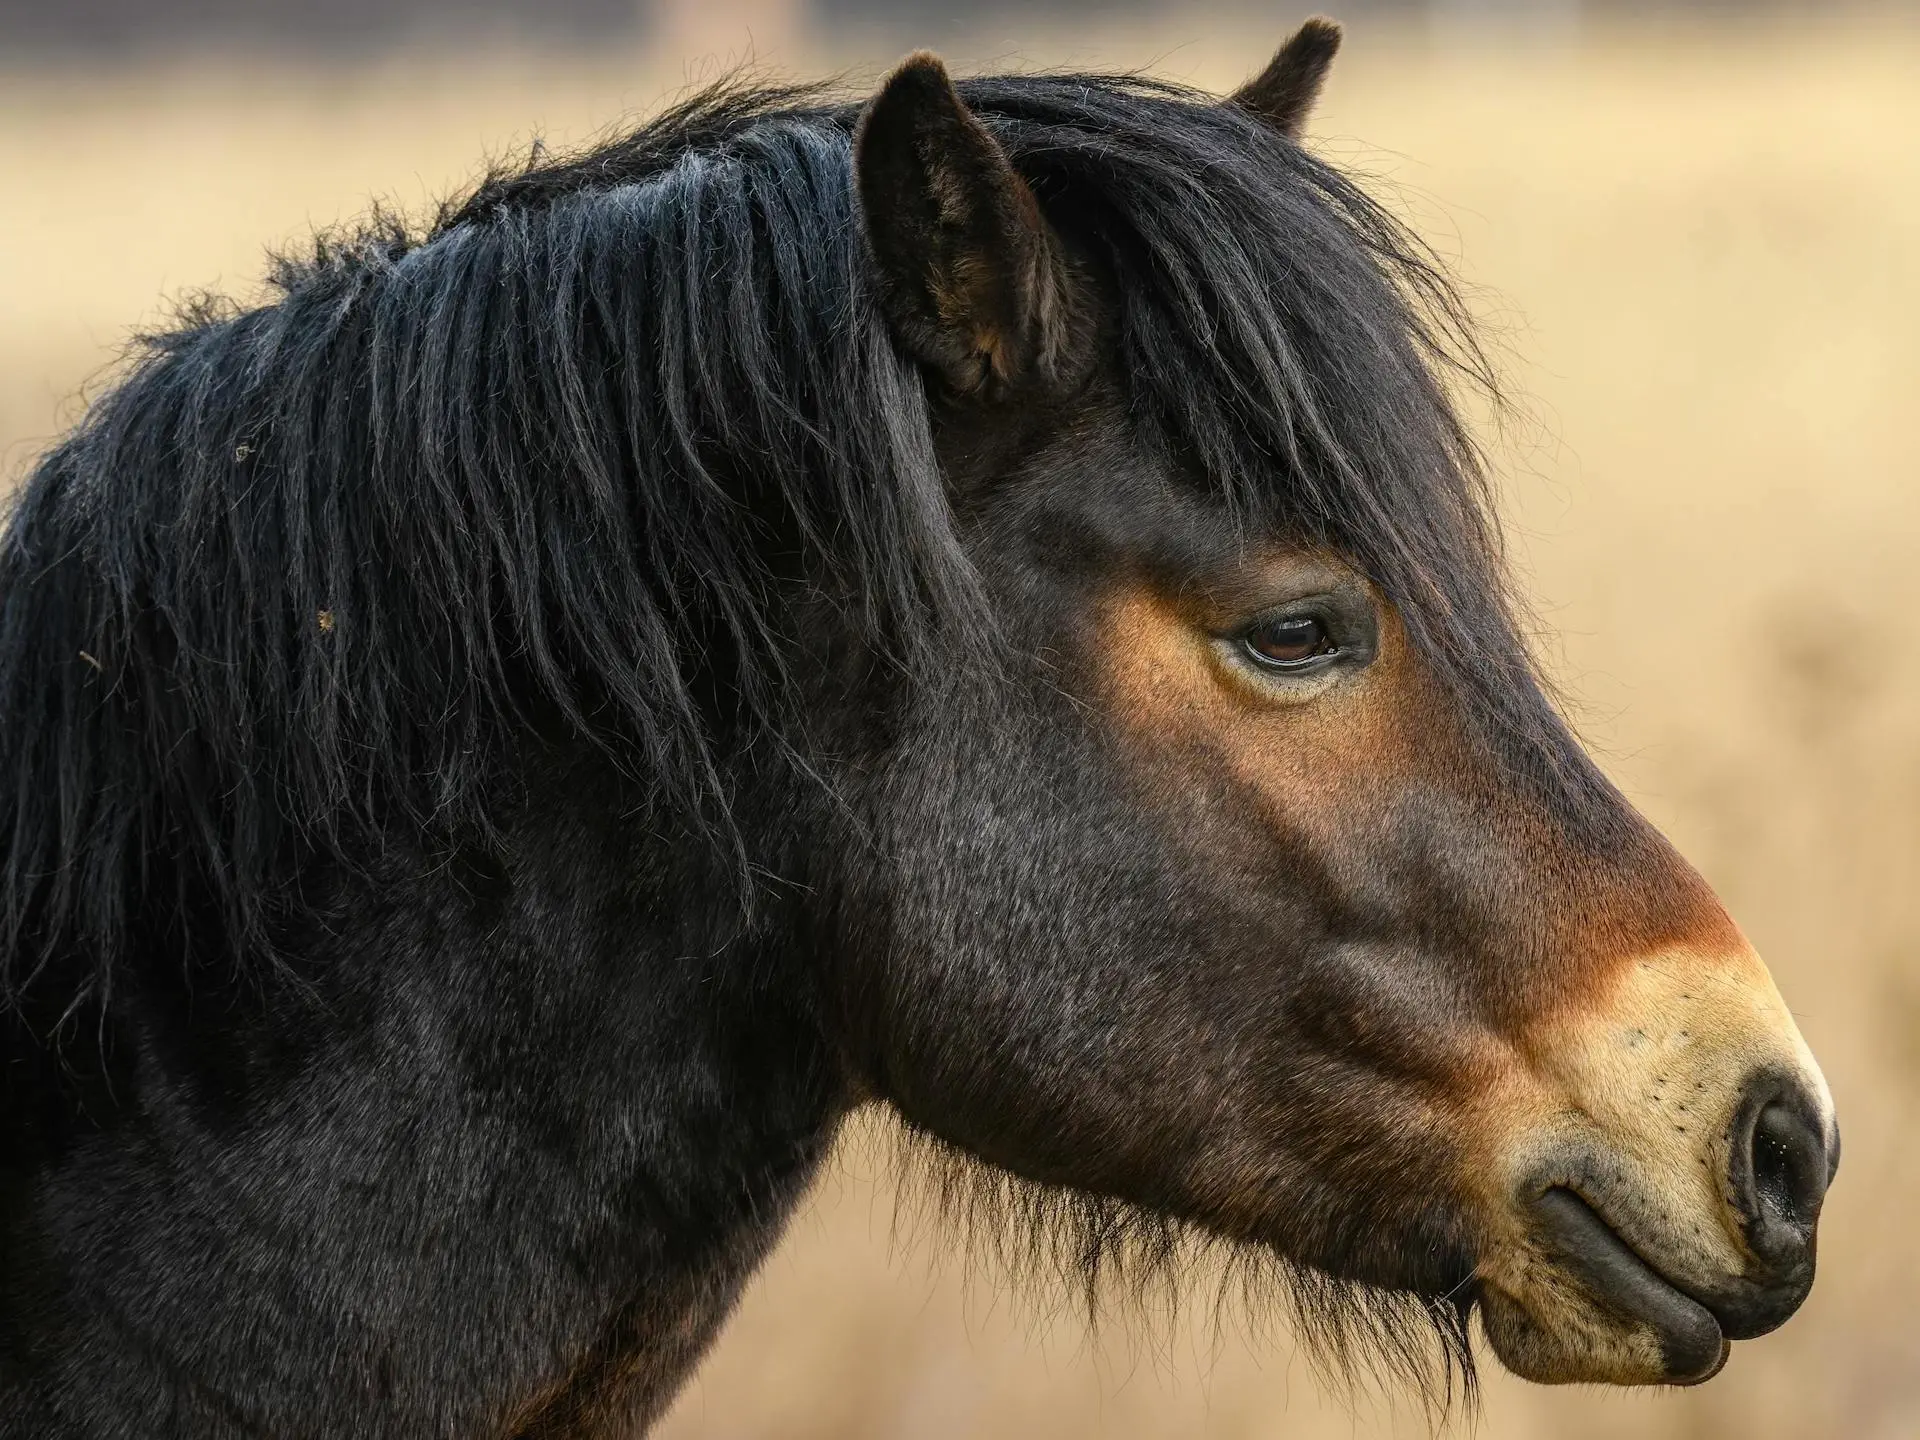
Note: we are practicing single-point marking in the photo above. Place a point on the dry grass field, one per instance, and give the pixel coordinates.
(1700, 254)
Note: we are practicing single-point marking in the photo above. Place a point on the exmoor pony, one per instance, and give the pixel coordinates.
(977, 602)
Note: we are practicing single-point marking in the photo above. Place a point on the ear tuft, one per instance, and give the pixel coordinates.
(1284, 93)
(969, 271)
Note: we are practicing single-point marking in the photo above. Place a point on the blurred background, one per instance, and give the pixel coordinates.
(1693, 231)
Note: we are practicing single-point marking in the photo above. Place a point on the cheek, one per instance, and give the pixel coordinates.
(1337, 850)
(1315, 829)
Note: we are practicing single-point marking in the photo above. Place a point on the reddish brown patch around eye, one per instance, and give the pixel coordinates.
(1290, 640)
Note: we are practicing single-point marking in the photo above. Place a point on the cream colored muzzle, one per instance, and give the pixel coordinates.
(1664, 1155)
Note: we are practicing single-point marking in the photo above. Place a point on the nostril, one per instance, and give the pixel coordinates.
(1781, 1167)
(1789, 1166)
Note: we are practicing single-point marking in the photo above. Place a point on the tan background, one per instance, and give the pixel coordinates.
(1700, 250)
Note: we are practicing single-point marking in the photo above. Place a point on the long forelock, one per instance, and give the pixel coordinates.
(1300, 352)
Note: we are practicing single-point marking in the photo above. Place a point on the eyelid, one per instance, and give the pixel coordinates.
(1352, 630)
(1320, 659)
(1323, 608)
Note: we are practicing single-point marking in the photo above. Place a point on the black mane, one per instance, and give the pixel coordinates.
(559, 461)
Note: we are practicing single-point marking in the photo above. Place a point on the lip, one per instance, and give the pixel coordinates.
(1691, 1341)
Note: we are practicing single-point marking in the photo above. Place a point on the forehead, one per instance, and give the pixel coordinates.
(1088, 495)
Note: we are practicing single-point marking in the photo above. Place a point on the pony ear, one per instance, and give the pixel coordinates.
(970, 273)
(1284, 93)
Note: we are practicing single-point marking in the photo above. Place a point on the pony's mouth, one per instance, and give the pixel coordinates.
(1615, 1274)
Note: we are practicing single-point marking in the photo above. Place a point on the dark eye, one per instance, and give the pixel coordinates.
(1289, 642)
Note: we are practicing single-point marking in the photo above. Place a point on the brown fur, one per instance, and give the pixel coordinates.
(1634, 1010)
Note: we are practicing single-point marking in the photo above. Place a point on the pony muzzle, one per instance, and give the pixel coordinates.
(1667, 1154)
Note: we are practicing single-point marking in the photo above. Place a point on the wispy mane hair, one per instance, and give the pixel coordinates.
(304, 574)
(1101, 1255)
